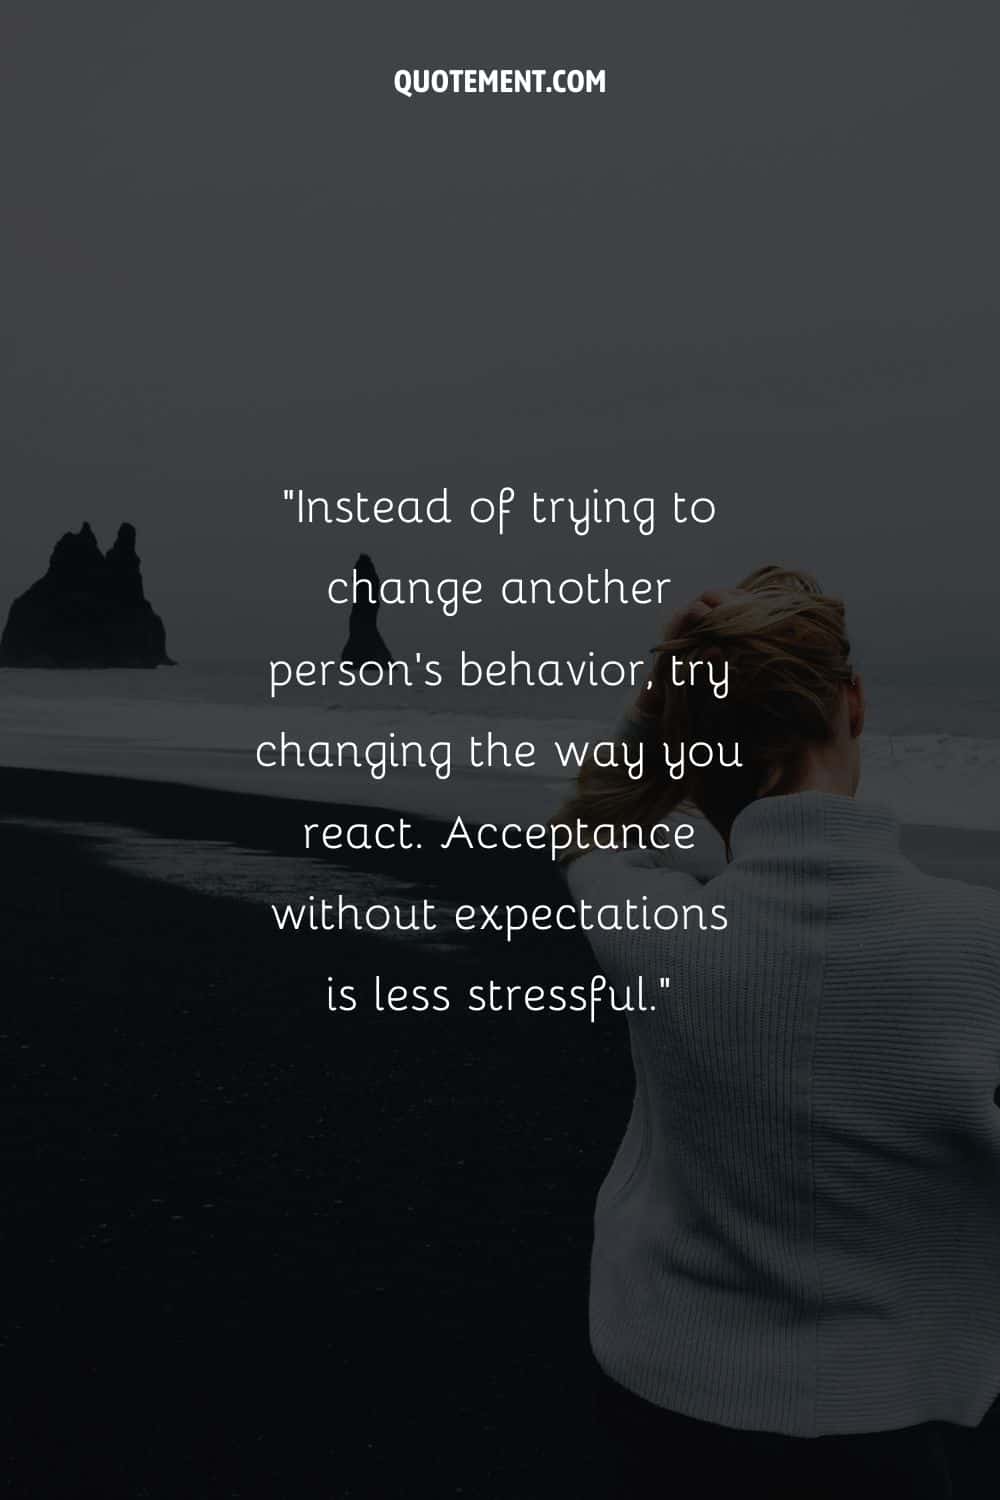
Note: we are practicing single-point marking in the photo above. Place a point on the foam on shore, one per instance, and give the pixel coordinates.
(938, 779)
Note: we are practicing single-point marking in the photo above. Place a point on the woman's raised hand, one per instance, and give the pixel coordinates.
(695, 611)
(652, 696)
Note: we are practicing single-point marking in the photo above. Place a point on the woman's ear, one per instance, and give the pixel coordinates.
(856, 706)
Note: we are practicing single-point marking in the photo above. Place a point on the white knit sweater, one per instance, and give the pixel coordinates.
(800, 1232)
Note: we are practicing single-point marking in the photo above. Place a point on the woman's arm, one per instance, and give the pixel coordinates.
(640, 723)
(644, 714)
(630, 797)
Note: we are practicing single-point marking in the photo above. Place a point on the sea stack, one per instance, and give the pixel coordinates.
(89, 610)
(364, 643)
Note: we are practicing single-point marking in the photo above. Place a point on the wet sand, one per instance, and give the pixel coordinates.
(263, 1249)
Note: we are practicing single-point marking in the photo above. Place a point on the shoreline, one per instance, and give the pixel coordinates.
(272, 823)
(201, 729)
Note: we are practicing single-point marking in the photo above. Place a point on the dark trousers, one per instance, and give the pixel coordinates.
(645, 1451)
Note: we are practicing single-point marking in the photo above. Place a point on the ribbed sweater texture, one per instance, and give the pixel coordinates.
(800, 1232)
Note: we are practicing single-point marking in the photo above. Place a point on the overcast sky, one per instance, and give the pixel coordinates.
(763, 267)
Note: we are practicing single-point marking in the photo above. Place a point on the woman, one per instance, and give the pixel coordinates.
(796, 1267)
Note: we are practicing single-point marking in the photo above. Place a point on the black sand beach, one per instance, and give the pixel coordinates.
(260, 1248)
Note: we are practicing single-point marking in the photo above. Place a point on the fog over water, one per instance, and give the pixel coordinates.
(780, 294)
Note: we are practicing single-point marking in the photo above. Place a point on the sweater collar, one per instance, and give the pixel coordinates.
(773, 824)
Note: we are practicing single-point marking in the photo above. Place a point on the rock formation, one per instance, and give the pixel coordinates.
(363, 640)
(88, 611)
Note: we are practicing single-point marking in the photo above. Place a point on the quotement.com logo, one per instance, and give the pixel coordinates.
(411, 81)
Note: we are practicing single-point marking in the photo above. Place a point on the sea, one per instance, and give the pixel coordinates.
(931, 750)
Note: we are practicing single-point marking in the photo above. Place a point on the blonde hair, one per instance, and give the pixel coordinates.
(788, 658)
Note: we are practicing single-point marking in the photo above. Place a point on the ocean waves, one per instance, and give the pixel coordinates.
(180, 727)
